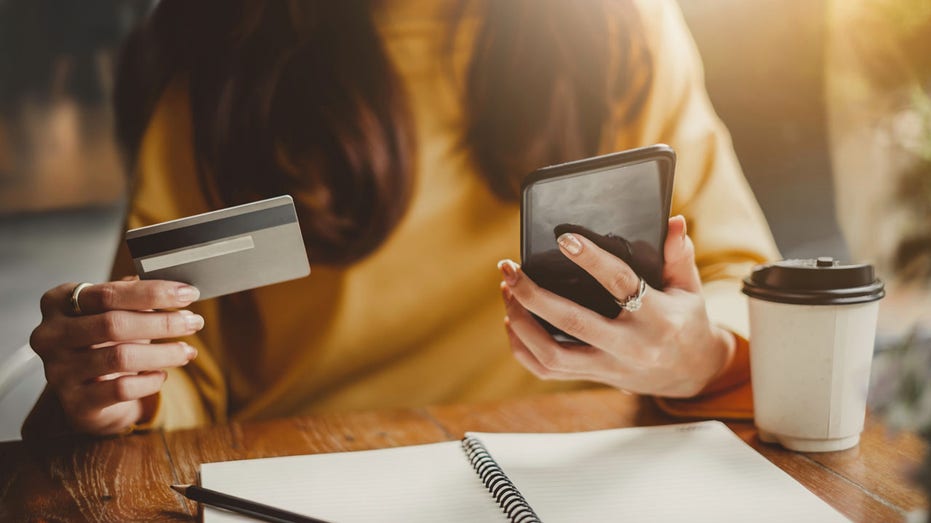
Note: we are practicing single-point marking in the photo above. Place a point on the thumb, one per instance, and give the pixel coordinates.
(680, 271)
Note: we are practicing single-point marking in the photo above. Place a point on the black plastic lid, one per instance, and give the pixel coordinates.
(821, 281)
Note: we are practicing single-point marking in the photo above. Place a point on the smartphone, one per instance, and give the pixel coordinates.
(619, 201)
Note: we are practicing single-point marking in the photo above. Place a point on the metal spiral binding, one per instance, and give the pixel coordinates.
(497, 483)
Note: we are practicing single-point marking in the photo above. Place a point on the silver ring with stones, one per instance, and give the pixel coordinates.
(634, 301)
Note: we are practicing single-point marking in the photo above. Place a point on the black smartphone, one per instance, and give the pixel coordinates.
(619, 201)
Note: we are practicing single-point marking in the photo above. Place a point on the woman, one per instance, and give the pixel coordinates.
(402, 130)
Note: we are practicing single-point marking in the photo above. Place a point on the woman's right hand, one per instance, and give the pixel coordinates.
(101, 363)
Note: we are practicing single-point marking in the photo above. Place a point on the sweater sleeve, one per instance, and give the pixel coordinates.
(724, 220)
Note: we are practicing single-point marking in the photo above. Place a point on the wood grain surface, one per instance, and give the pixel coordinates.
(82, 479)
(126, 479)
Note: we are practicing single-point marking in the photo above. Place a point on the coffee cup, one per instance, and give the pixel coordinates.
(812, 330)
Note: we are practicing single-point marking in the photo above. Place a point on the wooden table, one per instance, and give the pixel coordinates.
(126, 479)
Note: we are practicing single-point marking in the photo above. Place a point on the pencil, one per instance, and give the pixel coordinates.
(242, 506)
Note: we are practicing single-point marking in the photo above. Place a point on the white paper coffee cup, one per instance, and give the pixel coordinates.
(812, 330)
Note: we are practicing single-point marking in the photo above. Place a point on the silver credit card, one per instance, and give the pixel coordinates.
(225, 251)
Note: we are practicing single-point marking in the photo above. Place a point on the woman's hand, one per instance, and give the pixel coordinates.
(666, 348)
(101, 363)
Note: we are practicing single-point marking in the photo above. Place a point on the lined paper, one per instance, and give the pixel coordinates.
(695, 472)
(424, 483)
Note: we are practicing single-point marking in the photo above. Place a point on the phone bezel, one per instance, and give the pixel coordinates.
(663, 154)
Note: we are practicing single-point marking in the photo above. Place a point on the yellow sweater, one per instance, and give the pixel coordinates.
(420, 321)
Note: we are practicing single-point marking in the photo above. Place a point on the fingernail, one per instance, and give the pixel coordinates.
(194, 321)
(685, 226)
(509, 270)
(185, 312)
(189, 351)
(506, 293)
(187, 293)
(569, 242)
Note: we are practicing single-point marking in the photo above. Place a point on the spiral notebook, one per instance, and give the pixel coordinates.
(689, 472)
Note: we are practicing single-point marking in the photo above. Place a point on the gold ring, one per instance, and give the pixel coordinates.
(634, 301)
(75, 306)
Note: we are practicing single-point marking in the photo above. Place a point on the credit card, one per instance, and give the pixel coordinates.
(224, 251)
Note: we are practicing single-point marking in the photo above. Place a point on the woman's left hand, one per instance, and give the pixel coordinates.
(666, 348)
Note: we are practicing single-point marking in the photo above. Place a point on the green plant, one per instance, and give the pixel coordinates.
(901, 392)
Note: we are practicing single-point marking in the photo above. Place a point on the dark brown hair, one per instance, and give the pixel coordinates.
(300, 97)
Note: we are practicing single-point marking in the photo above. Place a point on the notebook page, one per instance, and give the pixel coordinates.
(696, 472)
(424, 483)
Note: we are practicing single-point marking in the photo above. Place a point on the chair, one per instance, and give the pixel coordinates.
(21, 381)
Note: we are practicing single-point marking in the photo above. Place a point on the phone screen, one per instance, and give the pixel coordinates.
(622, 207)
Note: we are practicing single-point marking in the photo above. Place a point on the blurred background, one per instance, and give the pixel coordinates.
(826, 101)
